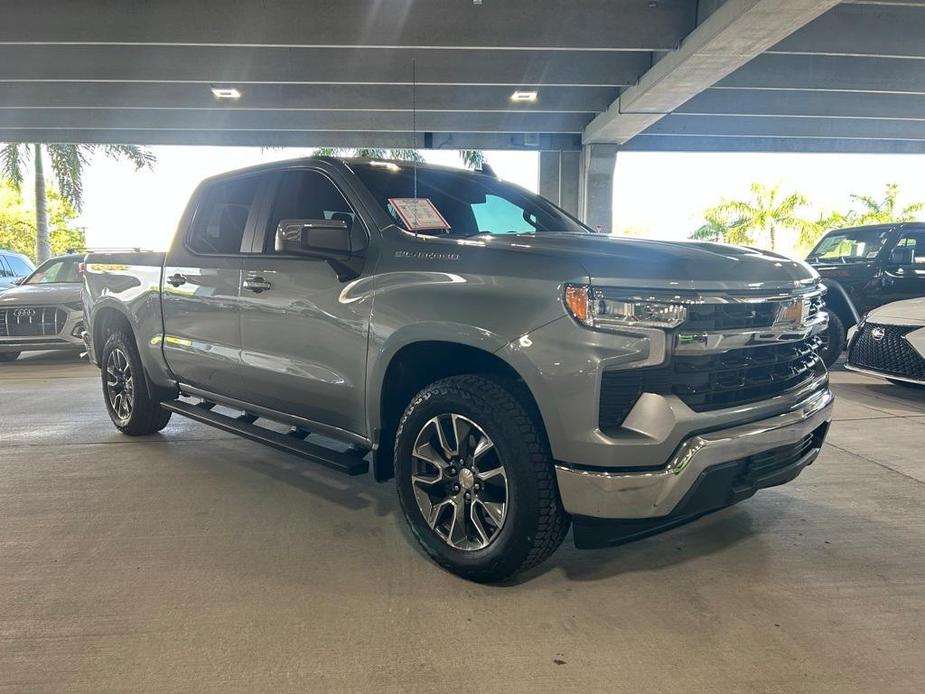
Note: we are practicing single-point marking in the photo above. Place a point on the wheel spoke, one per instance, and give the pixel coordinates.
(481, 448)
(436, 511)
(461, 430)
(441, 437)
(458, 535)
(477, 523)
(494, 472)
(494, 510)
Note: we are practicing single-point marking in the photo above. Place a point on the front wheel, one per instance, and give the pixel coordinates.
(476, 480)
(125, 388)
(833, 341)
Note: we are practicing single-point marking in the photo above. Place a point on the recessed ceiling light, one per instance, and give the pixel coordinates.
(523, 95)
(225, 93)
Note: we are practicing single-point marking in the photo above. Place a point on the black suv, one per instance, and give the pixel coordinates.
(866, 267)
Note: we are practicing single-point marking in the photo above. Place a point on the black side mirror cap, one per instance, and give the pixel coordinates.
(318, 238)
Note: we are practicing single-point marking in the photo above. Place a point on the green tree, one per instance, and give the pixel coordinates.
(472, 158)
(17, 223)
(68, 163)
(766, 213)
(714, 228)
(887, 210)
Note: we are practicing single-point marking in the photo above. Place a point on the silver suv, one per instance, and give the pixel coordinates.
(44, 312)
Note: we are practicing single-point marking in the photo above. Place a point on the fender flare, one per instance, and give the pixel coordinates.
(838, 302)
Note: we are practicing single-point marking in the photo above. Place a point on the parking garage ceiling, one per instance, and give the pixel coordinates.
(773, 75)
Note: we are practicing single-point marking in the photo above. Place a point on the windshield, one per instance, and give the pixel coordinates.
(56, 271)
(850, 245)
(469, 203)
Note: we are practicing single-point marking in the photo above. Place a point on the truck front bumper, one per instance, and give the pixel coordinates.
(708, 471)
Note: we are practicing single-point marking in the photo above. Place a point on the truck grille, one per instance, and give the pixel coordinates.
(31, 321)
(742, 316)
(712, 381)
(891, 354)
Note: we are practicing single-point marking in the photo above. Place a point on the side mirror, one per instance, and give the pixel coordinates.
(318, 238)
(902, 255)
(19, 280)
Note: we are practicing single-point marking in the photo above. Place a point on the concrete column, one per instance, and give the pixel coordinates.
(596, 186)
(558, 178)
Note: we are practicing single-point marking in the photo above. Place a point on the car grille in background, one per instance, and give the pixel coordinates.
(31, 321)
(740, 316)
(712, 381)
(891, 354)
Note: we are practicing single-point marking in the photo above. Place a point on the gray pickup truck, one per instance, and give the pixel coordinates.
(513, 371)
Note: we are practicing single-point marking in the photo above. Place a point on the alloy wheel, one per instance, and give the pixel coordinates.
(459, 482)
(120, 384)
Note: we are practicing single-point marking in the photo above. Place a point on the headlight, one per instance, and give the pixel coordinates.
(590, 307)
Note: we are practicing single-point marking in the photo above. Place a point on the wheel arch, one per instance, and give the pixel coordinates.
(418, 363)
(838, 302)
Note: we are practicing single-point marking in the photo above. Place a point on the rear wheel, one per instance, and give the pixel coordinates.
(9, 356)
(125, 388)
(833, 340)
(476, 480)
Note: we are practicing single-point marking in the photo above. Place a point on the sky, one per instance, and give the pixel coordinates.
(661, 195)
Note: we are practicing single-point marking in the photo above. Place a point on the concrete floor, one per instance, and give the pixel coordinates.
(196, 561)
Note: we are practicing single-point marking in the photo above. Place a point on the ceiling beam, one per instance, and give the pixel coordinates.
(232, 119)
(770, 126)
(684, 143)
(375, 97)
(759, 102)
(735, 33)
(343, 65)
(824, 73)
(331, 138)
(509, 24)
(876, 30)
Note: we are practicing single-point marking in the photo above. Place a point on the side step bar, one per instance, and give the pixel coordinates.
(341, 462)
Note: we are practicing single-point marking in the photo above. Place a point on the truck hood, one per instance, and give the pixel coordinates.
(40, 294)
(675, 265)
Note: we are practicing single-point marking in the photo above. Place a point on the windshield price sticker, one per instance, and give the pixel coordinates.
(418, 214)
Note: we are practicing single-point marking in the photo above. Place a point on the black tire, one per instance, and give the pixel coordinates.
(534, 523)
(143, 415)
(833, 341)
(9, 356)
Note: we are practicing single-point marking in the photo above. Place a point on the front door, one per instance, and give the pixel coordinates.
(202, 284)
(905, 280)
(304, 340)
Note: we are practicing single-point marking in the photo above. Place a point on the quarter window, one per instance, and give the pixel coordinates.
(916, 241)
(222, 216)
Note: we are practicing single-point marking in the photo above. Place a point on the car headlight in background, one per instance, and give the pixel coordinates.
(590, 307)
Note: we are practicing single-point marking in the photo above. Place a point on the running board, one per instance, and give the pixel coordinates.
(341, 462)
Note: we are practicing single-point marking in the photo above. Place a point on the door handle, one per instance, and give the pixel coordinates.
(256, 284)
(176, 280)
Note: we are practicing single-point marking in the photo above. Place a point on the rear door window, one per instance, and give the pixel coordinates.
(223, 216)
(916, 241)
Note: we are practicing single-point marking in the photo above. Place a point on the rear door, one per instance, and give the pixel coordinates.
(202, 287)
(304, 343)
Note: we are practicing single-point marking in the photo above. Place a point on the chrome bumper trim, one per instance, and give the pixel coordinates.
(881, 374)
(656, 493)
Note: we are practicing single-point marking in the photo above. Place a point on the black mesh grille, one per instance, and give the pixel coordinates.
(891, 354)
(31, 321)
(712, 381)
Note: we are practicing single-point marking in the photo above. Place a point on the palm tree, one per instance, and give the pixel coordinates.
(472, 158)
(715, 227)
(765, 213)
(885, 211)
(67, 164)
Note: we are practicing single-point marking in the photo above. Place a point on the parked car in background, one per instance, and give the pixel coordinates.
(890, 342)
(14, 267)
(44, 311)
(866, 267)
(514, 371)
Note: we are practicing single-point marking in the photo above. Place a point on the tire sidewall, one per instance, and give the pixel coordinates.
(836, 344)
(506, 551)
